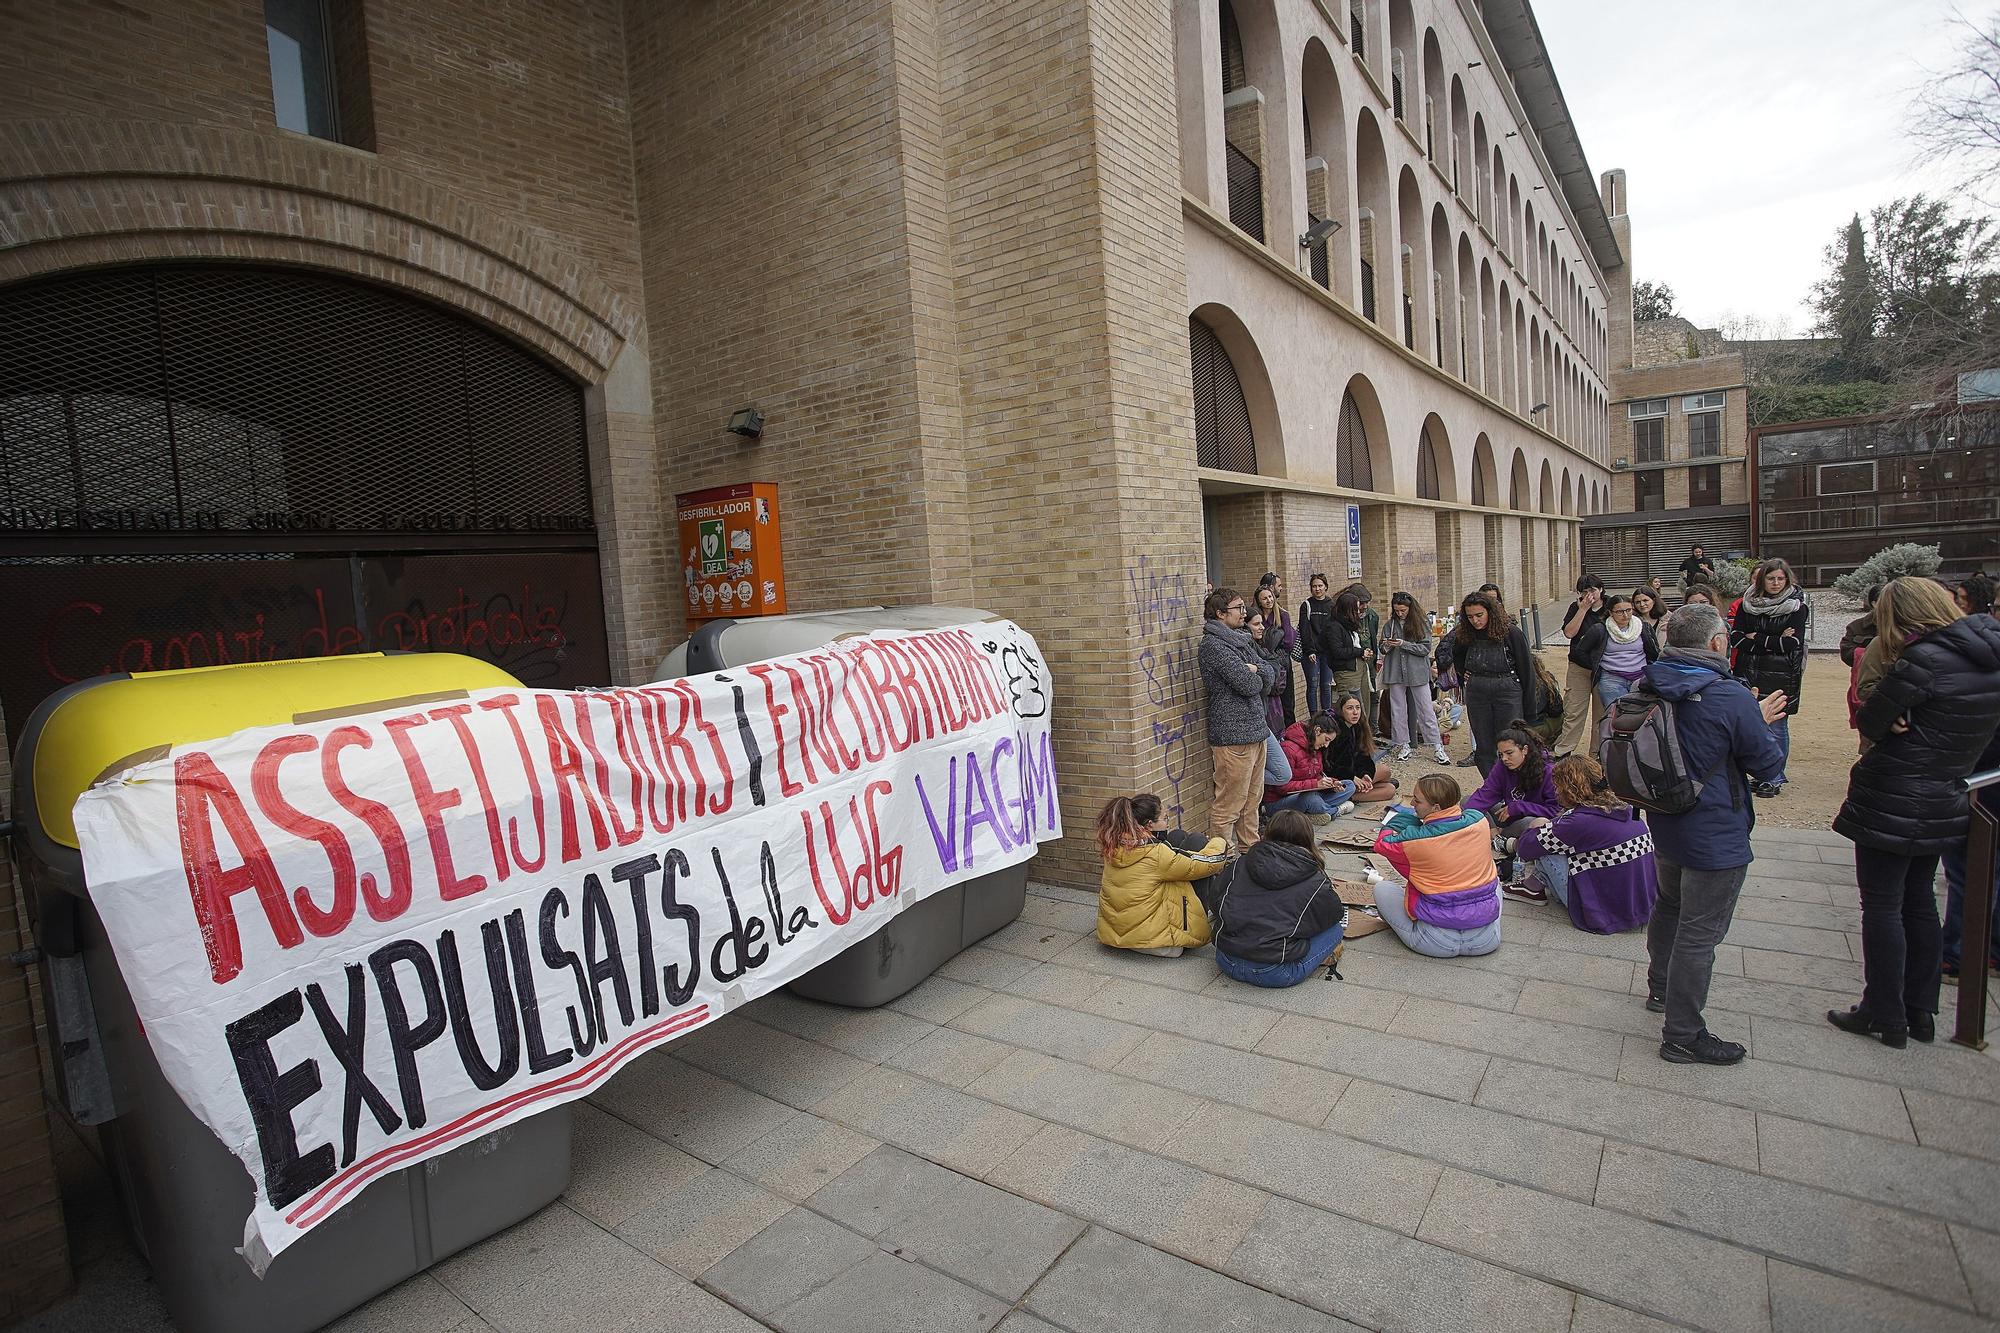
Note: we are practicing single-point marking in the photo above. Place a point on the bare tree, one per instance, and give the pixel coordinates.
(1955, 120)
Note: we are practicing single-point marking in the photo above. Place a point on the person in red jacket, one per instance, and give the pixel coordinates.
(1310, 789)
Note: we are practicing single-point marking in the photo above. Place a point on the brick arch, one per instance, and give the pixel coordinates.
(81, 194)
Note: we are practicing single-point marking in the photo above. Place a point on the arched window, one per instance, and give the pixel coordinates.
(1222, 436)
(1427, 467)
(1352, 466)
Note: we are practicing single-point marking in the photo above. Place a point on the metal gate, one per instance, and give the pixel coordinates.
(219, 463)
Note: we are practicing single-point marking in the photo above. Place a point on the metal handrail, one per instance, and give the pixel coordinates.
(1982, 845)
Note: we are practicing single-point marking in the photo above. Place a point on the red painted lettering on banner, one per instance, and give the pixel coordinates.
(202, 793)
(379, 818)
(432, 801)
(876, 872)
(566, 769)
(264, 790)
(505, 705)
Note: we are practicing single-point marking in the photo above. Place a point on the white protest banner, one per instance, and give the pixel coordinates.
(356, 943)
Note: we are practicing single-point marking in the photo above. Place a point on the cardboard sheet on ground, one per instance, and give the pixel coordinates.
(357, 942)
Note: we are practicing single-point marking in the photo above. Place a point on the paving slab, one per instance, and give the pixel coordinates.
(987, 1237)
(1431, 978)
(991, 968)
(1836, 974)
(1052, 983)
(800, 1155)
(1923, 1180)
(929, 1119)
(1095, 1101)
(1494, 1143)
(1386, 1280)
(884, 1292)
(1035, 940)
(951, 1057)
(1787, 939)
(1404, 1062)
(1108, 1284)
(556, 1270)
(1595, 1316)
(1547, 963)
(1942, 1067)
(1062, 1033)
(1778, 999)
(1979, 1256)
(1582, 1006)
(1805, 1300)
(937, 999)
(690, 1228)
(1328, 1170)
(777, 1064)
(1762, 1085)
(869, 1035)
(689, 1108)
(787, 1260)
(1356, 1006)
(1168, 1204)
(1787, 912)
(422, 1302)
(1538, 1040)
(1212, 1018)
(1189, 972)
(616, 1169)
(1797, 1222)
(1954, 1124)
(1612, 1255)
(1060, 913)
(1264, 1083)
(1668, 1121)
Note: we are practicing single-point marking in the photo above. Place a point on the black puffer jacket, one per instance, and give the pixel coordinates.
(1278, 900)
(1904, 795)
(1763, 658)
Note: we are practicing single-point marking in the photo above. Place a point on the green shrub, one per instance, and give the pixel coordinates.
(1733, 576)
(1891, 562)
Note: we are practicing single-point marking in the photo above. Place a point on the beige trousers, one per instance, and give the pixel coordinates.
(1239, 779)
(1579, 701)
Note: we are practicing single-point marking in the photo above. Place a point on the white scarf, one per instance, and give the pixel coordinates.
(1626, 635)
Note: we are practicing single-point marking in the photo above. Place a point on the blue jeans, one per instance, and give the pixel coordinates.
(1610, 689)
(1319, 686)
(1955, 873)
(1277, 768)
(1781, 732)
(1283, 974)
(1553, 872)
(1314, 802)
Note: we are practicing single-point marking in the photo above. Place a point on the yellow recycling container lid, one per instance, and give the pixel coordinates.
(115, 719)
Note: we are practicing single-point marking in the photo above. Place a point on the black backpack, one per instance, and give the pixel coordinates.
(1641, 754)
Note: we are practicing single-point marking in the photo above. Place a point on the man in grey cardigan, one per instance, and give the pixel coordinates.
(1237, 679)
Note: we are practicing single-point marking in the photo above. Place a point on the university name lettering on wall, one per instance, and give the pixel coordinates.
(356, 943)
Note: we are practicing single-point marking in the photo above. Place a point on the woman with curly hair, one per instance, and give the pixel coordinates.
(1767, 647)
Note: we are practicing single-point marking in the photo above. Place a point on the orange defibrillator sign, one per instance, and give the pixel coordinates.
(732, 559)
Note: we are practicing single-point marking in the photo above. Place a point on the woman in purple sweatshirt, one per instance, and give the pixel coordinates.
(1520, 786)
(1596, 857)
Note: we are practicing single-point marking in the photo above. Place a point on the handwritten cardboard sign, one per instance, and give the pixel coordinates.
(357, 942)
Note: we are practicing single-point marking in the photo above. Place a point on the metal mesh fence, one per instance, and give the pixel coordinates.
(260, 401)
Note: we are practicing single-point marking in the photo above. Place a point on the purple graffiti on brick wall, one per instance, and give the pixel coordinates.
(1168, 627)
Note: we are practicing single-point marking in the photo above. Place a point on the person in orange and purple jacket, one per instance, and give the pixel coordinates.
(1450, 905)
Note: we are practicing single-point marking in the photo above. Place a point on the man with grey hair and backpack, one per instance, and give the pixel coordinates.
(1701, 832)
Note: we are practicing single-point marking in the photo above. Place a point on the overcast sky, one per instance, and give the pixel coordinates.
(1750, 130)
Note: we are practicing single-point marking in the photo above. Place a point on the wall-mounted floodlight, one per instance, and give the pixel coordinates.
(1538, 408)
(747, 422)
(1318, 233)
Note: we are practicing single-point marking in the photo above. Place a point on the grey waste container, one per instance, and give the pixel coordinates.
(927, 934)
(184, 1195)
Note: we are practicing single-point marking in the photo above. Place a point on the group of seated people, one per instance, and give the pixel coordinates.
(1273, 912)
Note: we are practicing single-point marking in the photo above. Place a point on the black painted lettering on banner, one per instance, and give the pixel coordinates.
(406, 1038)
(464, 1034)
(346, 1043)
(272, 1096)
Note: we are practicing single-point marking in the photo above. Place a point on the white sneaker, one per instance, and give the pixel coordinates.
(1167, 951)
(1403, 755)
(1346, 807)
(1443, 755)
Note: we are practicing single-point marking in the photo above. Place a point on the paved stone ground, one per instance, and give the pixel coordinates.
(1052, 1135)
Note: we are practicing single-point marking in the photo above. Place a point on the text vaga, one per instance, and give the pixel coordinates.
(1006, 788)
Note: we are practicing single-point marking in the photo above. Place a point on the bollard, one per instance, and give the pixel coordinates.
(1982, 844)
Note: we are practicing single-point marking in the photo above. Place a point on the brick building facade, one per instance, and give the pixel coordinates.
(972, 261)
(1679, 426)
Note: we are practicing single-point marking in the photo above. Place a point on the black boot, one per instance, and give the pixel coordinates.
(1853, 1020)
(1923, 1026)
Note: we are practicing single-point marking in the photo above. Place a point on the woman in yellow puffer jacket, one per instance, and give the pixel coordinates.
(1147, 901)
